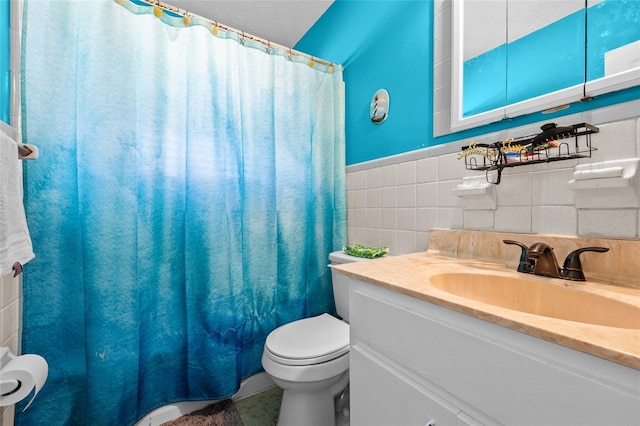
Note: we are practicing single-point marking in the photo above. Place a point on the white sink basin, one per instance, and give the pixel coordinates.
(539, 297)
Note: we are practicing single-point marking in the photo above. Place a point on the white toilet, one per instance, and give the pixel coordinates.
(309, 360)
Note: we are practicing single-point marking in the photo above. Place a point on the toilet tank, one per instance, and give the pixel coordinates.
(341, 282)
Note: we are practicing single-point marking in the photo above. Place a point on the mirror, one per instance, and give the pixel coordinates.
(613, 49)
(514, 57)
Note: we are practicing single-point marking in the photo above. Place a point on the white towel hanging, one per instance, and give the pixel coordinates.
(15, 241)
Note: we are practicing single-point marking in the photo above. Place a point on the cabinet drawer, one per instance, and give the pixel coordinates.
(380, 395)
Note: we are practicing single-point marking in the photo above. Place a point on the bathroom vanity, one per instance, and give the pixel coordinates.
(423, 356)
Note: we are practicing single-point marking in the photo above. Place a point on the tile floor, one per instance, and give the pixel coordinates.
(260, 409)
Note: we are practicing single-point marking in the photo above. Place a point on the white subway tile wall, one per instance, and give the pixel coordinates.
(10, 314)
(14, 36)
(415, 194)
(10, 287)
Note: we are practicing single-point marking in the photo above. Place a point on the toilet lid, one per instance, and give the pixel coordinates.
(324, 337)
(339, 257)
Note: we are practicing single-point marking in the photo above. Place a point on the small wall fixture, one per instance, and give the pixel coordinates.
(613, 184)
(379, 108)
(476, 193)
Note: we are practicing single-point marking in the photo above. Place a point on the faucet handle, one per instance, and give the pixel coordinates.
(525, 265)
(572, 267)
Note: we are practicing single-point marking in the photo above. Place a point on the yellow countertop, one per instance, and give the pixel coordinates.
(410, 274)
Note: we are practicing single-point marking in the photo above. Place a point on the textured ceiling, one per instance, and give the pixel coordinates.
(279, 21)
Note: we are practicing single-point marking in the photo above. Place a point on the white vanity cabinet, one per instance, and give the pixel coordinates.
(416, 363)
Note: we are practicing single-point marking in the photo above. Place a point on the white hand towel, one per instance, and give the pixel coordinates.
(15, 241)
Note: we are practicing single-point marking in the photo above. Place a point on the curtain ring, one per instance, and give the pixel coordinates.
(157, 10)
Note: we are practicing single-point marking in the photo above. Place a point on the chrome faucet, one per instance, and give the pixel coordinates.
(539, 259)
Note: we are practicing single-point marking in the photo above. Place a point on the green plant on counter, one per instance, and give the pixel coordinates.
(368, 252)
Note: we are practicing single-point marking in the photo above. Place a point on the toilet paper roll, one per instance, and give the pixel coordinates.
(29, 372)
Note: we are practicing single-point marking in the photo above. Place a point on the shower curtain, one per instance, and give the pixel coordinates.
(189, 189)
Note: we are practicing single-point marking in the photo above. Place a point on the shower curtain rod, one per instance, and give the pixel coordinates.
(216, 25)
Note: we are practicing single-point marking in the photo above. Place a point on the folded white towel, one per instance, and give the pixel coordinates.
(15, 241)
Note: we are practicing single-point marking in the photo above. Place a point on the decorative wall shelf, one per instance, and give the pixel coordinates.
(555, 143)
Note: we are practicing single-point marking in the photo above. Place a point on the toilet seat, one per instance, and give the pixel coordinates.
(308, 341)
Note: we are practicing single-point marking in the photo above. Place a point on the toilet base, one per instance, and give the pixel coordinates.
(309, 409)
(312, 405)
(343, 407)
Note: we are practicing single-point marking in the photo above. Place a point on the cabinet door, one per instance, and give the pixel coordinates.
(515, 57)
(465, 420)
(494, 374)
(382, 395)
(613, 45)
(545, 52)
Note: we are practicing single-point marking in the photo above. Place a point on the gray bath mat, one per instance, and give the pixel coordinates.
(222, 413)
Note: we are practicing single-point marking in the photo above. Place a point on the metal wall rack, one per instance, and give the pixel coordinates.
(555, 143)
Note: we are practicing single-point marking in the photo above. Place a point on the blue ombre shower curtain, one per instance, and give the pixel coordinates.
(188, 191)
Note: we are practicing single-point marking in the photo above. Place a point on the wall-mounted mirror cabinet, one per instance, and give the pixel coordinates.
(514, 57)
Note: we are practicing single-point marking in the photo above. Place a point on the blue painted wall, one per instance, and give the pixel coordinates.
(388, 44)
(5, 71)
(381, 44)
